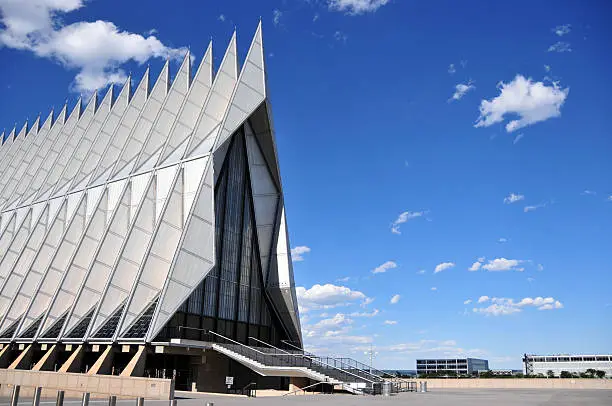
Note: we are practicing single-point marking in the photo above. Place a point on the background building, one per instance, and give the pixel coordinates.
(460, 366)
(574, 364)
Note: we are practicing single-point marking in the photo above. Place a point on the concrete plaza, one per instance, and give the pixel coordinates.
(467, 397)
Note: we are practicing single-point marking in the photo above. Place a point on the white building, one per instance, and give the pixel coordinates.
(541, 364)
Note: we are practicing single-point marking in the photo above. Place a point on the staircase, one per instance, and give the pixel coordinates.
(273, 361)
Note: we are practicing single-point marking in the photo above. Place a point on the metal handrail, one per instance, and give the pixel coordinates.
(313, 357)
(366, 367)
(341, 360)
(304, 388)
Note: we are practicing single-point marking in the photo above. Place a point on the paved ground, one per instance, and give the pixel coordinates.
(468, 397)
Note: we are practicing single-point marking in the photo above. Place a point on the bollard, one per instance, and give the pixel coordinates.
(172, 402)
(210, 404)
(425, 386)
(421, 387)
(36, 398)
(15, 395)
(60, 398)
(112, 401)
(140, 402)
(85, 401)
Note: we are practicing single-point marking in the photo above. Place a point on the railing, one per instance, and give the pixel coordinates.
(324, 365)
(308, 387)
(352, 367)
(333, 362)
(364, 367)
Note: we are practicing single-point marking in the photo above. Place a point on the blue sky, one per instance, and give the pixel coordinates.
(413, 136)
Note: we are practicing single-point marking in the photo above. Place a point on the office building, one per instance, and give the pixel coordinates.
(457, 366)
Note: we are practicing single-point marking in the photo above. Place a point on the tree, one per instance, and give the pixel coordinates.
(550, 373)
(565, 374)
(591, 372)
(600, 374)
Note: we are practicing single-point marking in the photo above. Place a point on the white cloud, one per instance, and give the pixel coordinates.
(540, 267)
(452, 69)
(404, 217)
(276, 16)
(443, 266)
(503, 306)
(395, 299)
(465, 302)
(315, 17)
(460, 90)
(328, 296)
(95, 49)
(513, 198)
(421, 272)
(356, 7)
(475, 266)
(221, 17)
(390, 322)
(373, 313)
(384, 267)
(152, 31)
(518, 138)
(530, 279)
(502, 240)
(434, 288)
(560, 46)
(345, 279)
(547, 68)
(531, 101)
(609, 198)
(527, 209)
(562, 30)
(297, 253)
(502, 264)
(589, 193)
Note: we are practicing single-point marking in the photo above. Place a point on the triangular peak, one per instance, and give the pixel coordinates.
(183, 76)
(107, 101)
(22, 132)
(61, 117)
(91, 105)
(75, 114)
(34, 128)
(250, 92)
(124, 95)
(142, 90)
(216, 104)
(48, 123)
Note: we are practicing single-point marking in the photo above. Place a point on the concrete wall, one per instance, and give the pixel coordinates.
(149, 388)
(519, 383)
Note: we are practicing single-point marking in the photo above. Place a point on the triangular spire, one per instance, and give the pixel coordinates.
(24, 130)
(34, 128)
(140, 131)
(216, 105)
(191, 109)
(250, 91)
(107, 101)
(164, 121)
(48, 122)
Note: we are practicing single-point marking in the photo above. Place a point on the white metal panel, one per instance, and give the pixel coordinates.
(217, 100)
(122, 133)
(46, 269)
(11, 255)
(165, 177)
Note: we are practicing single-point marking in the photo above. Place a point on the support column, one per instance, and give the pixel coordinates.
(5, 356)
(23, 360)
(137, 364)
(104, 363)
(48, 360)
(60, 398)
(15, 395)
(36, 399)
(73, 364)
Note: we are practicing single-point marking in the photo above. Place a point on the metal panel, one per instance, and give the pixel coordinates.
(122, 133)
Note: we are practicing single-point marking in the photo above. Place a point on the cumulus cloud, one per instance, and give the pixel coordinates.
(502, 264)
(404, 217)
(395, 299)
(513, 198)
(465, 302)
(531, 101)
(384, 267)
(390, 322)
(373, 313)
(476, 265)
(95, 49)
(298, 252)
(500, 306)
(562, 30)
(328, 296)
(502, 240)
(460, 90)
(443, 266)
(560, 46)
(356, 7)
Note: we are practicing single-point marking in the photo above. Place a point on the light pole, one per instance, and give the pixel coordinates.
(372, 355)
